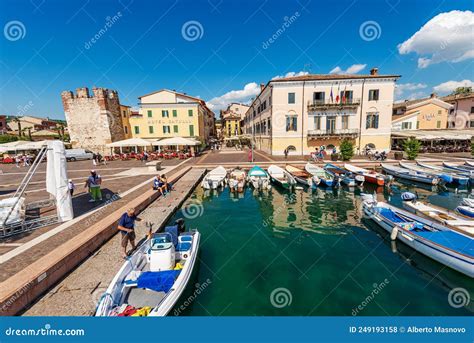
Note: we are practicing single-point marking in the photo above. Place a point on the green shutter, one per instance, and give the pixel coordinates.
(175, 128)
(150, 129)
(175, 113)
(150, 113)
(191, 130)
(137, 130)
(190, 113)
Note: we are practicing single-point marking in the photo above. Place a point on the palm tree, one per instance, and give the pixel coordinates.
(17, 120)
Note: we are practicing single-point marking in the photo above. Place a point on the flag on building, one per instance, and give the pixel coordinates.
(337, 94)
(331, 97)
(343, 99)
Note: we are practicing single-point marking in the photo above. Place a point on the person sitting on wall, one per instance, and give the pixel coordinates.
(126, 226)
(159, 185)
(167, 185)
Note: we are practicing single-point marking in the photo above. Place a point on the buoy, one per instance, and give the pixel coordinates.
(394, 233)
(393, 244)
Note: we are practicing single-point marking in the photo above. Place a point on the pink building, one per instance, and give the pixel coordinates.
(461, 115)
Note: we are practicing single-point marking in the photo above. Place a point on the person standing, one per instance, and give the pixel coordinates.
(93, 184)
(126, 226)
(286, 153)
(71, 186)
(17, 161)
(250, 156)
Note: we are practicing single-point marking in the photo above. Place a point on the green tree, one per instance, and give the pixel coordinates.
(472, 146)
(8, 138)
(347, 149)
(411, 147)
(462, 90)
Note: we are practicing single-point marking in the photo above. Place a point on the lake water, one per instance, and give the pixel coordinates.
(310, 252)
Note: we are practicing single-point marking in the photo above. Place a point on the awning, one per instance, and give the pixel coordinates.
(131, 142)
(432, 135)
(176, 141)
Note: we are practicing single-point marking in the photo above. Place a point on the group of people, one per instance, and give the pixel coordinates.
(97, 159)
(24, 160)
(92, 184)
(160, 183)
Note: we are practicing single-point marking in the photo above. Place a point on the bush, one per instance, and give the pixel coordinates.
(7, 138)
(411, 147)
(347, 150)
(472, 147)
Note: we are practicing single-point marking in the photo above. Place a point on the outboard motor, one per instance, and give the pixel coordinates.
(180, 224)
(408, 196)
(260, 183)
(210, 182)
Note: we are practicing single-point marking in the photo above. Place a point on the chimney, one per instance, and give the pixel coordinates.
(262, 86)
(374, 71)
(433, 95)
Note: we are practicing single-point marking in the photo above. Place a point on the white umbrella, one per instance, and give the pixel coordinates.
(131, 142)
(176, 141)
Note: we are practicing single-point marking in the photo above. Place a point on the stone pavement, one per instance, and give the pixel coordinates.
(78, 293)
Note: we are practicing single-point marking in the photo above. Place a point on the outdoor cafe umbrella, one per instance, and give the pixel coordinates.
(176, 141)
(131, 142)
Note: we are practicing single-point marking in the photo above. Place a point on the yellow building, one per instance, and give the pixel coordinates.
(167, 113)
(125, 112)
(232, 118)
(421, 114)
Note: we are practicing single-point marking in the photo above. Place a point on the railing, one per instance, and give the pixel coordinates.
(334, 132)
(326, 104)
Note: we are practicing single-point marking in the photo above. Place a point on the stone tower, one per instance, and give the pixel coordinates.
(93, 121)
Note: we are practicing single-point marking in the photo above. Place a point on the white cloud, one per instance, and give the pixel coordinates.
(290, 74)
(403, 89)
(353, 69)
(241, 95)
(446, 37)
(449, 86)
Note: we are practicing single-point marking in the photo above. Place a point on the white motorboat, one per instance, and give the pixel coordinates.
(236, 180)
(215, 178)
(281, 177)
(259, 178)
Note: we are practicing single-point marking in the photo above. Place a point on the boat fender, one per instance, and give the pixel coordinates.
(394, 233)
(446, 178)
(408, 196)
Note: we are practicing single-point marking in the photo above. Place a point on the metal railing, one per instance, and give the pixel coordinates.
(333, 132)
(322, 104)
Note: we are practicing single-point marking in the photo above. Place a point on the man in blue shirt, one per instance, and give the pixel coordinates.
(126, 226)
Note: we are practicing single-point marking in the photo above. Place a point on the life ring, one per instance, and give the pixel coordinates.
(185, 255)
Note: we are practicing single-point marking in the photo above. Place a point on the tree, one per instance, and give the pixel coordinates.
(8, 138)
(412, 147)
(472, 146)
(18, 122)
(347, 149)
(462, 90)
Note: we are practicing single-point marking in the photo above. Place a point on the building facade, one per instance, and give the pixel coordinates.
(461, 115)
(3, 124)
(422, 114)
(232, 119)
(126, 112)
(302, 113)
(167, 113)
(93, 120)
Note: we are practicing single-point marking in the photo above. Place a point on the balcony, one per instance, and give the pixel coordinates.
(349, 133)
(322, 105)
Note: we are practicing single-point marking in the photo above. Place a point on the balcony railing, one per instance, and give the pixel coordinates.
(327, 104)
(334, 133)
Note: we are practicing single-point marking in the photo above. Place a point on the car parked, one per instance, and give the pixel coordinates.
(78, 154)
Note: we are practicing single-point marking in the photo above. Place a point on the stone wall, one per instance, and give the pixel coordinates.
(93, 120)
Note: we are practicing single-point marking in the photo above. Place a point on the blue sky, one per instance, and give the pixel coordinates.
(146, 46)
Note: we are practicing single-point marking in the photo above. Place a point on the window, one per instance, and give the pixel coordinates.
(137, 130)
(175, 128)
(345, 122)
(318, 97)
(254, 114)
(175, 113)
(291, 98)
(150, 113)
(165, 114)
(166, 129)
(124, 114)
(150, 129)
(471, 123)
(472, 109)
(269, 124)
(439, 111)
(406, 126)
(317, 123)
(346, 97)
(125, 129)
(372, 121)
(374, 94)
(190, 113)
(438, 124)
(191, 130)
(291, 123)
(417, 124)
(331, 124)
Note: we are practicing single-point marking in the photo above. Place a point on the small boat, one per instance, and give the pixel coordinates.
(153, 278)
(467, 202)
(466, 211)
(460, 174)
(371, 176)
(259, 178)
(236, 180)
(281, 177)
(320, 176)
(459, 167)
(451, 219)
(411, 175)
(215, 178)
(469, 163)
(348, 178)
(300, 175)
(446, 176)
(432, 239)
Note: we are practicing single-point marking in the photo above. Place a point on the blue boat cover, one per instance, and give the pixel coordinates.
(257, 171)
(173, 231)
(158, 281)
(451, 240)
(183, 246)
(446, 178)
(390, 215)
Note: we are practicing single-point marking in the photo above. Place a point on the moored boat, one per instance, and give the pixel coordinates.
(151, 281)
(215, 178)
(446, 176)
(459, 173)
(469, 163)
(236, 180)
(259, 178)
(459, 167)
(411, 175)
(466, 211)
(320, 176)
(432, 239)
(371, 176)
(281, 177)
(300, 175)
(348, 178)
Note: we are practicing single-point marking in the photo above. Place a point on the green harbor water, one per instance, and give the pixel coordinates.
(311, 252)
